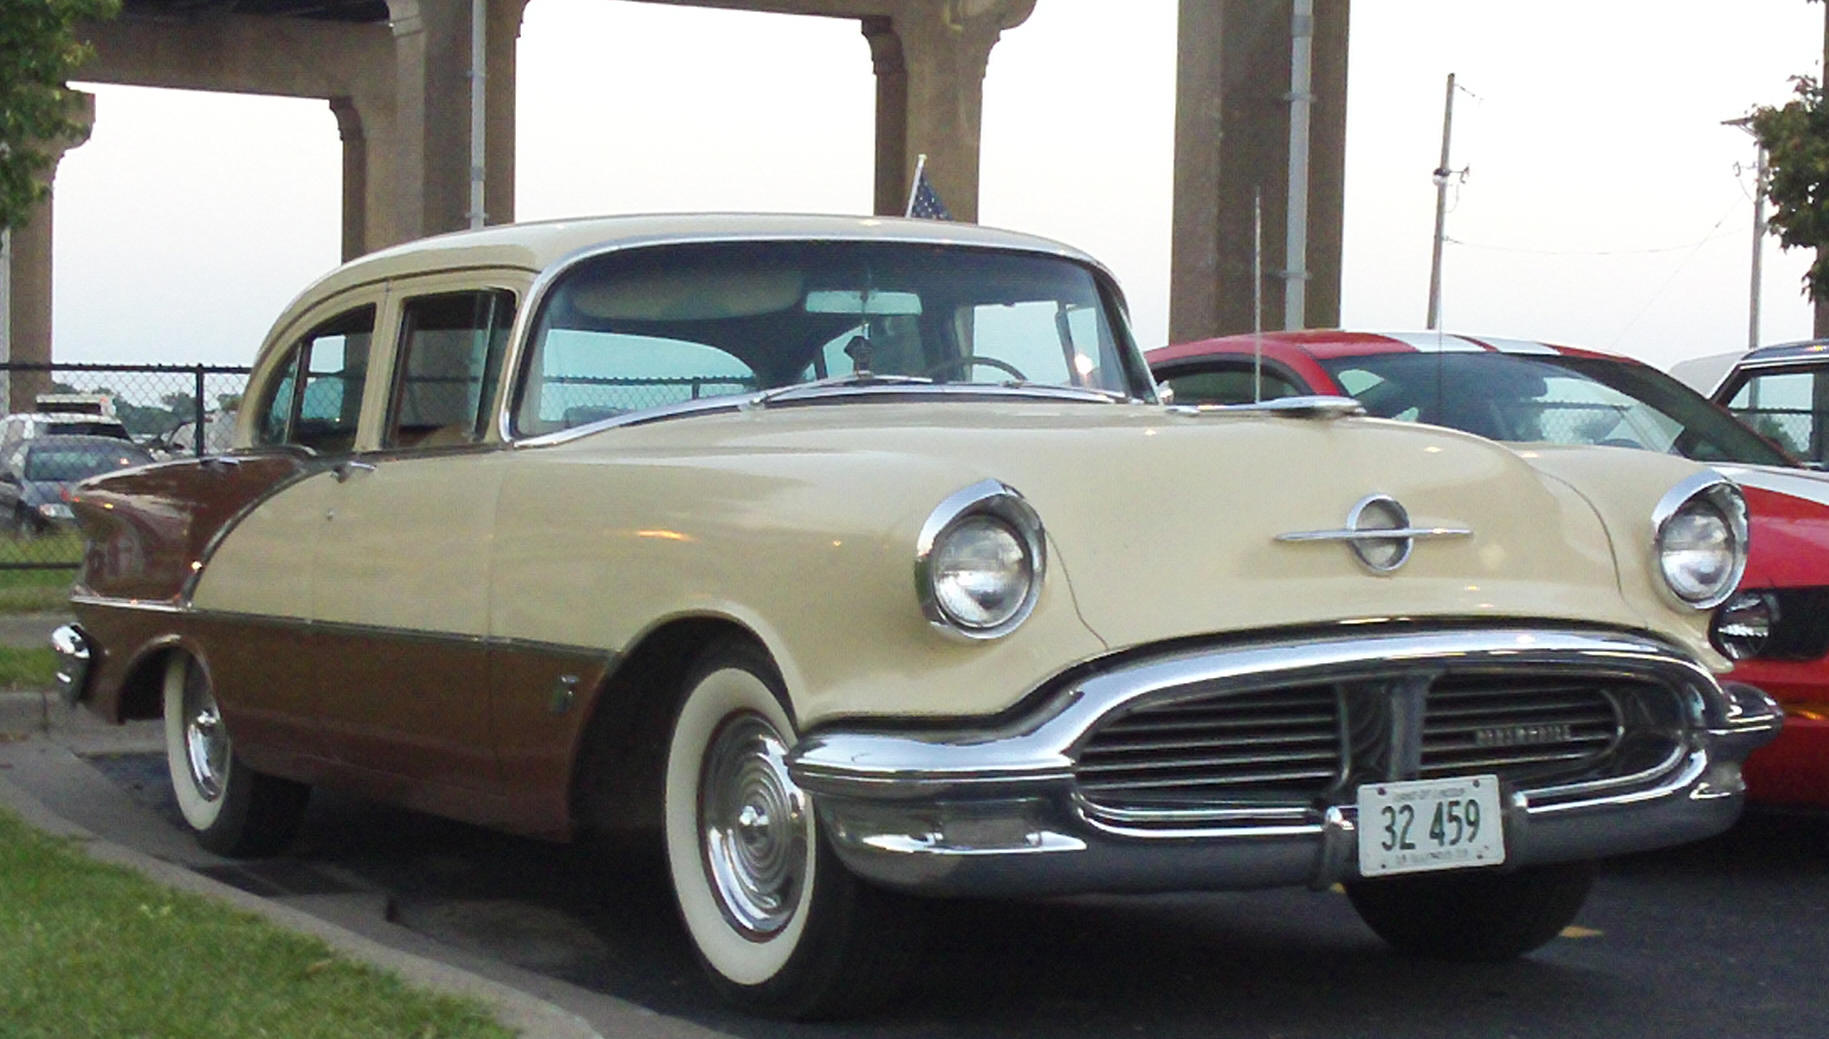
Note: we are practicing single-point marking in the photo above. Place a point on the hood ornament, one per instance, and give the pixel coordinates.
(1379, 532)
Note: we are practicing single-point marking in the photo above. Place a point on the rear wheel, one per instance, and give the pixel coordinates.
(1483, 916)
(232, 809)
(777, 922)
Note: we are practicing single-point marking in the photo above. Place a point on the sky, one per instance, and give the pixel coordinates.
(1603, 203)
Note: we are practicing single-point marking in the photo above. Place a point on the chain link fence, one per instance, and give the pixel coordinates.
(166, 411)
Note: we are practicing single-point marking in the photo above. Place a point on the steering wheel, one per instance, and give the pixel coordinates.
(975, 359)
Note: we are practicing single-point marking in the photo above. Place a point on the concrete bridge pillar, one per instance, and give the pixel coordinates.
(1232, 114)
(930, 61)
(28, 257)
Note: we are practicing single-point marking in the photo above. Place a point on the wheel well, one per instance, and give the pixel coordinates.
(622, 758)
(143, 690)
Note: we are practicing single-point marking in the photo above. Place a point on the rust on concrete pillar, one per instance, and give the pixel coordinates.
(930, 60)
(1232, 145)
(28, 338)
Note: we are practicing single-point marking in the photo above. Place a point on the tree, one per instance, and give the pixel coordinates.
(38, 52)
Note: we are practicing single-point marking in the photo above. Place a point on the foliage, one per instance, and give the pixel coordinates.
(88, 949)
(1796, 139)
(27, 668)
(38, 51)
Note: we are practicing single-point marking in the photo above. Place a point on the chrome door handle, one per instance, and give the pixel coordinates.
(344, 470)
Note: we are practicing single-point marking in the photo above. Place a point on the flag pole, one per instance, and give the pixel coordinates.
(914, 185)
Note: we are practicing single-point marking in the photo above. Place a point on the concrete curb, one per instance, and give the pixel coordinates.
(531, 1017)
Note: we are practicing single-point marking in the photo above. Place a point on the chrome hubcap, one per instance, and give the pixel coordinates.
(206, 742)
(753, 820)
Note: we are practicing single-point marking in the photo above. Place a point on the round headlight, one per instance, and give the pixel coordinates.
(979, 563)
(980, 572)
(1744, 624)
(1701, 541)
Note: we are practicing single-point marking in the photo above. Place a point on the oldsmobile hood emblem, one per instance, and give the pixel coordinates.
(1379, 532)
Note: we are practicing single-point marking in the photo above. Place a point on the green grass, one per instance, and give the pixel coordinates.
(27, 668)
(93, 950)
(35, 591)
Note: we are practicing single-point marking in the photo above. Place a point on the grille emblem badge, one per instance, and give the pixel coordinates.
(1379, 532)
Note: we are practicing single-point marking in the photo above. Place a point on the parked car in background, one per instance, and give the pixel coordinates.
(1530, 392)
(35, 478)
(1782, 391)
(20, 427)
(850, 558)
(181, 439)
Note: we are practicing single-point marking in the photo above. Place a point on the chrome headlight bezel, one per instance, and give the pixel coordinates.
(987, 499)
(1705, 494)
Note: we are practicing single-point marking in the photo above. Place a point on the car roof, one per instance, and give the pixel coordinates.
(538, 245)
(1789, 351)
(1325, 344)
(65, 416)
(81, 440)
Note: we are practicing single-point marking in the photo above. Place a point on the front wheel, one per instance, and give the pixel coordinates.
(1480, 917)
(231, 808)
(779, 925)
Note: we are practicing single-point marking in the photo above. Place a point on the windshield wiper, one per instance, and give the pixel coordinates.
(761, 400)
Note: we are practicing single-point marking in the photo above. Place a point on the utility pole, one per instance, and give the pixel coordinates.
(1442, 174)
(1295, 229)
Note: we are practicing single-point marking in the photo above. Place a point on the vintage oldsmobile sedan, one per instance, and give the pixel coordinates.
(856, 559)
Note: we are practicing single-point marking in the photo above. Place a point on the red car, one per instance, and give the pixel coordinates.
(1519, 391)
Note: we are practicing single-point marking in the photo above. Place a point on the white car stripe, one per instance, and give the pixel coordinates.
(1516, 346)
(1431, 342)
(1796, 483)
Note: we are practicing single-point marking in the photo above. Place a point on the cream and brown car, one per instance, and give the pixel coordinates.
(857, 560)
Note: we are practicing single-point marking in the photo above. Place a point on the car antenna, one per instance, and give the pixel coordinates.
(1257, 296)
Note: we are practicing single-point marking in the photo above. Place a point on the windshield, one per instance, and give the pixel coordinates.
(63, 464)
(646, 328)
(1552, 398)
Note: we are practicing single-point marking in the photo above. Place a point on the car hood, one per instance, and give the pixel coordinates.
(1166, 523)
(1789, 512)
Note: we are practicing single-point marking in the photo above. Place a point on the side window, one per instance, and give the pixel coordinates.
(316, 398)
(450, 361)
(1783, 406)
(1229, 385)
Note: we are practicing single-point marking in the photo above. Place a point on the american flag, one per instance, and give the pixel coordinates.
(924, 203)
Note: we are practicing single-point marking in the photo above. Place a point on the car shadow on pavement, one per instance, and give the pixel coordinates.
(1272, 963)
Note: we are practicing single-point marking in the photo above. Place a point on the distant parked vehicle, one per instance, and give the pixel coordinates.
(1782, 391)
(36, 477)
(181, 440)
(20, 427)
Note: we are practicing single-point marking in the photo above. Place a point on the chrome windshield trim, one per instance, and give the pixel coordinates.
(522, 328)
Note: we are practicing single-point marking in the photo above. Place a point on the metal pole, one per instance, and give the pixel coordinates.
(1301, 99)
(199, 412)
(1257, 296)
(1752, 323)
(479, 39)
(1441, 209)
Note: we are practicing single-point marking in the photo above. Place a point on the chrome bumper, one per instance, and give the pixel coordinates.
(73, 660)
(996, 810)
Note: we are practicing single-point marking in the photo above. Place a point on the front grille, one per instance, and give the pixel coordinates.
(1518, 729)
(1280, 744)
(1300, 746)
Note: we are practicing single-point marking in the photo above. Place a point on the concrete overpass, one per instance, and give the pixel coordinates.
(397, 75)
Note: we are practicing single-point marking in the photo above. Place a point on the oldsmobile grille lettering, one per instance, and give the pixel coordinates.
(1520, 735)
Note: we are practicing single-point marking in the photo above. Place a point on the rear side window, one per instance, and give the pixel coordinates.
(315, 398)
(451, 348)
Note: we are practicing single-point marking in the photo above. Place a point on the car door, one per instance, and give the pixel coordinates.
(400, 589)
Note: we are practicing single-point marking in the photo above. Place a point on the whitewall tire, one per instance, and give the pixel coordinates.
(779, 925)
(231, 808)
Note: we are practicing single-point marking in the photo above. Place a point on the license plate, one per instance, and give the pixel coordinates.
(1430, 824)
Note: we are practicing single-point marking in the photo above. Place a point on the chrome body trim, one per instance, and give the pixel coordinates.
(995, 810)
(1315, 406)
(1725, 495)
(1358, 535)
(989, 497)
(73, 662)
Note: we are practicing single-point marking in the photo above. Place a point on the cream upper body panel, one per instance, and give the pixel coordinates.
(802, 522)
